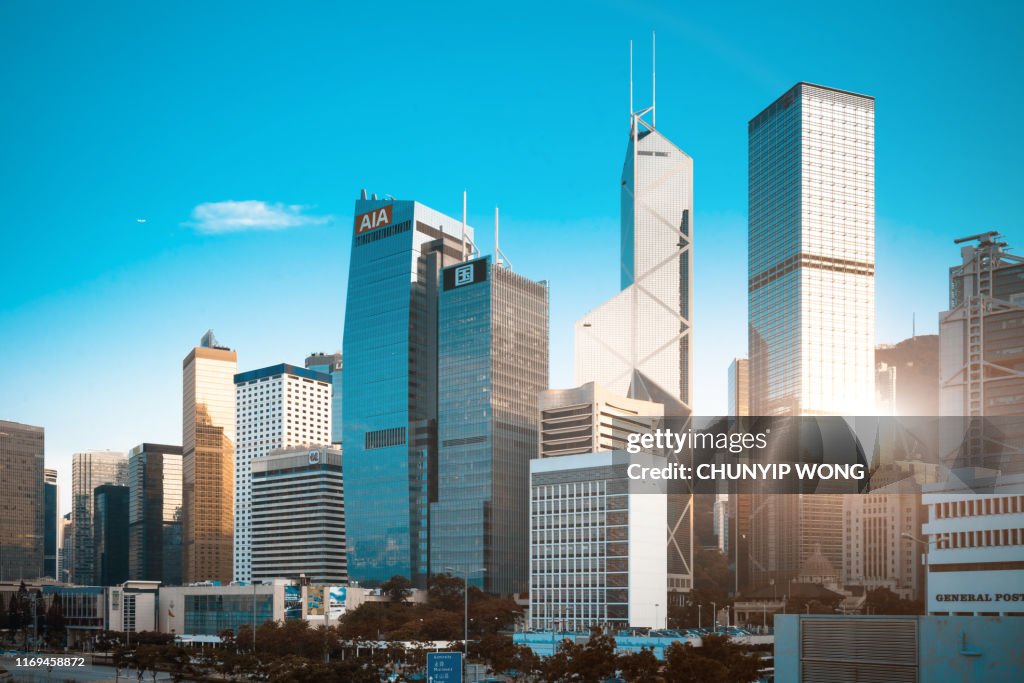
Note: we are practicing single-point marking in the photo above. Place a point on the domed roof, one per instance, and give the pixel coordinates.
(817, 565)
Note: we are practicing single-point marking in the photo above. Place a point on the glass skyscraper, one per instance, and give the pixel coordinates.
(110, 529)
(208, 461)
(390, 384)
(51, 502)
(154, 513)
(638, 343)
(89, 470)
(21, 503)
(812, 254)
(492, 366)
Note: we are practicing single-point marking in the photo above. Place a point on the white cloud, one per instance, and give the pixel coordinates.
(251, 214)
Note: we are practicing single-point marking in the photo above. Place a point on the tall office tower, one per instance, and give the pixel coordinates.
(492, 364)
(154, 513)
(51, 513)
(739, 387)
(66, 529)
(911, 370)
(638, 343)
(720, 512)
(811, 268)
(590, 418)
(597, 543)
(280, 406)
(331, 364)
(208, 461)
(812, 254)
(89, 470)
(298, 515)
(390, 384)
(110, 531)
(981, 343)
(21, 504)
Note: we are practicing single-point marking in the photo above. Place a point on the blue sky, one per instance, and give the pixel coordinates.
(119, 112)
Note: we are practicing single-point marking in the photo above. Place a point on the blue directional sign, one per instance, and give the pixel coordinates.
(444, 667)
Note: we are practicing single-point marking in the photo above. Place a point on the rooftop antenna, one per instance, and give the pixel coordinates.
(654, 90)
(499, 256)
(463, 225)
(630, 78)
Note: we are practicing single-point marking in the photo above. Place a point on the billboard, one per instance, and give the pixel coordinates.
(464, 274)
(371, 220)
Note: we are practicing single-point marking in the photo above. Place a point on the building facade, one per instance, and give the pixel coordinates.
(155, 513)
(208, 461)
(739, 388)
(331, 364)
(22, 511)
(390, 383)
(492, 365)
(811, 254)
(975, 544)
(280, 406)
(879, 550)
(908, 376)
(51, 513)
(598, 556)
(89, 470)
(590, 418)
(298, 516)
(110, 533)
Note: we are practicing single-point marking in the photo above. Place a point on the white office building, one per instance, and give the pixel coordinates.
(281, 406)
(598, 555)
(975, 541)
(298, 516)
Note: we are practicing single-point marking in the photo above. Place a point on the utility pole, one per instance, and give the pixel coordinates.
(465, 614)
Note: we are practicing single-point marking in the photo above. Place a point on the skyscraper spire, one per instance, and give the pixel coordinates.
(654, 89)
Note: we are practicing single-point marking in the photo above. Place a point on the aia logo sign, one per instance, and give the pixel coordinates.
(372, 220)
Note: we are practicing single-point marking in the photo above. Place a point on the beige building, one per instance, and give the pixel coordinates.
(208, 443)
(590, 418)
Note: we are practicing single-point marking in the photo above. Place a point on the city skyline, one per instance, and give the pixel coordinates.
(72, 314)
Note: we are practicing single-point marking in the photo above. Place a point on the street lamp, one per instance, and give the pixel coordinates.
(714, 617)
(927, 550)
(698, 616)
(465, 592)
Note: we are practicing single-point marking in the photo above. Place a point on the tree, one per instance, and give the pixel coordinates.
(397, 588)
(55, 626)
(639, 667)
(684, 664)
(884, 601)
(589, 663)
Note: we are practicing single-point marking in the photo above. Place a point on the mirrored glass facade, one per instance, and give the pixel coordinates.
(110, 529)
(492, 366)
(89, 470)
(208, 462)
(390, 384)
(21, 501)
(812, 254)
(155, 513)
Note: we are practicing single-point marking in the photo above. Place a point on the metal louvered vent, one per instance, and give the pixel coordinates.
(858, 650)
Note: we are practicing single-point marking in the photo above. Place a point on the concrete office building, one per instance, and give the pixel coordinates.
(155, 513)
(811, 271)
(331, 364)
(879, 550)
(89, 470)
(975, 544)
(110, 534)
(208, 461)
(51, 513)
(390, 383)
(280, 406)
(298, 516)
(598, 556)
(492, 364)
(590, 418)
(22, 510)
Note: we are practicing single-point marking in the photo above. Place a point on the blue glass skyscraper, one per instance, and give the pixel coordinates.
(331, 364)
(492, 367)
(390, 384)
